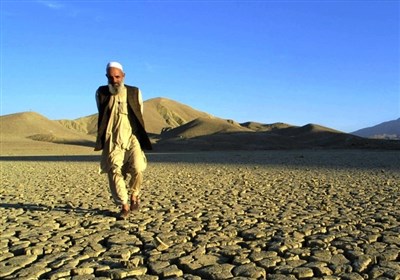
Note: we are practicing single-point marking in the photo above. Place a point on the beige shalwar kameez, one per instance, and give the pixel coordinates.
(122, 153)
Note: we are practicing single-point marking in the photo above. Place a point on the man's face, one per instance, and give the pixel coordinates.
(115, 77)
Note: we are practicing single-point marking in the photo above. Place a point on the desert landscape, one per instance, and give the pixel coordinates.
(221, 200)
(176, 127)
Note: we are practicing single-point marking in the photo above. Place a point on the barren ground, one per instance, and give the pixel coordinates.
(219, 215)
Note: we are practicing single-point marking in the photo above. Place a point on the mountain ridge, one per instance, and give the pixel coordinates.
(384, 130)
(173, 126)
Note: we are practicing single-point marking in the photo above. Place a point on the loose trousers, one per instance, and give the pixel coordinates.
(123, 162)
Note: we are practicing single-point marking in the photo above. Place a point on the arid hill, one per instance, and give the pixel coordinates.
(310, 136)
(265, 127)
(33, 125)
(31, 133)
(87, 125)
(173, 127)
(160, 114)
(385, 130)
(204, 126)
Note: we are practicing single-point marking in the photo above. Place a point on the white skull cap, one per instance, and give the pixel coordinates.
(114, 64)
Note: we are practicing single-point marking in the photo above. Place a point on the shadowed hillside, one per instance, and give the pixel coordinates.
(29, 124)
(204, 126)
(310, 136)
(161, 114)
(86, 125)
(385, 130)
(32, 133)
(173, 126)
(264, 127)
(306, 130)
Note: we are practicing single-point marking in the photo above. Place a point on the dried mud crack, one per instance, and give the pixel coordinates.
(232, 215)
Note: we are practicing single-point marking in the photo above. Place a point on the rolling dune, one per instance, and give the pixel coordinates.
(173, 126)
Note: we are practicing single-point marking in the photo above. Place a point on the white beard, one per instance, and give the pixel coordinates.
(115, 89)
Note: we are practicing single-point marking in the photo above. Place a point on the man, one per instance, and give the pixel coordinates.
(122, 137)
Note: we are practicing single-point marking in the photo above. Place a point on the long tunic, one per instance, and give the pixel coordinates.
(119, 130)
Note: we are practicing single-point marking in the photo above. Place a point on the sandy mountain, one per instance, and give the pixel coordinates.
(86, 124)
(256, 126)
(161, 114)
(173, 127)
(32, 133)
(27, 124)
(385, 130)
(309, 136)
(205, 126)
(306, 130)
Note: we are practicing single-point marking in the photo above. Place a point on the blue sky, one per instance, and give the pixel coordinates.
(333, 63)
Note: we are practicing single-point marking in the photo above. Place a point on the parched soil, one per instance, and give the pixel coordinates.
(304, 214)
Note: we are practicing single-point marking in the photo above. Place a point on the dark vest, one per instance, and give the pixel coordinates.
(135, 116)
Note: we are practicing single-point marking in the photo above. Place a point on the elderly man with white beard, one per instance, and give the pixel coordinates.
(122, 137)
